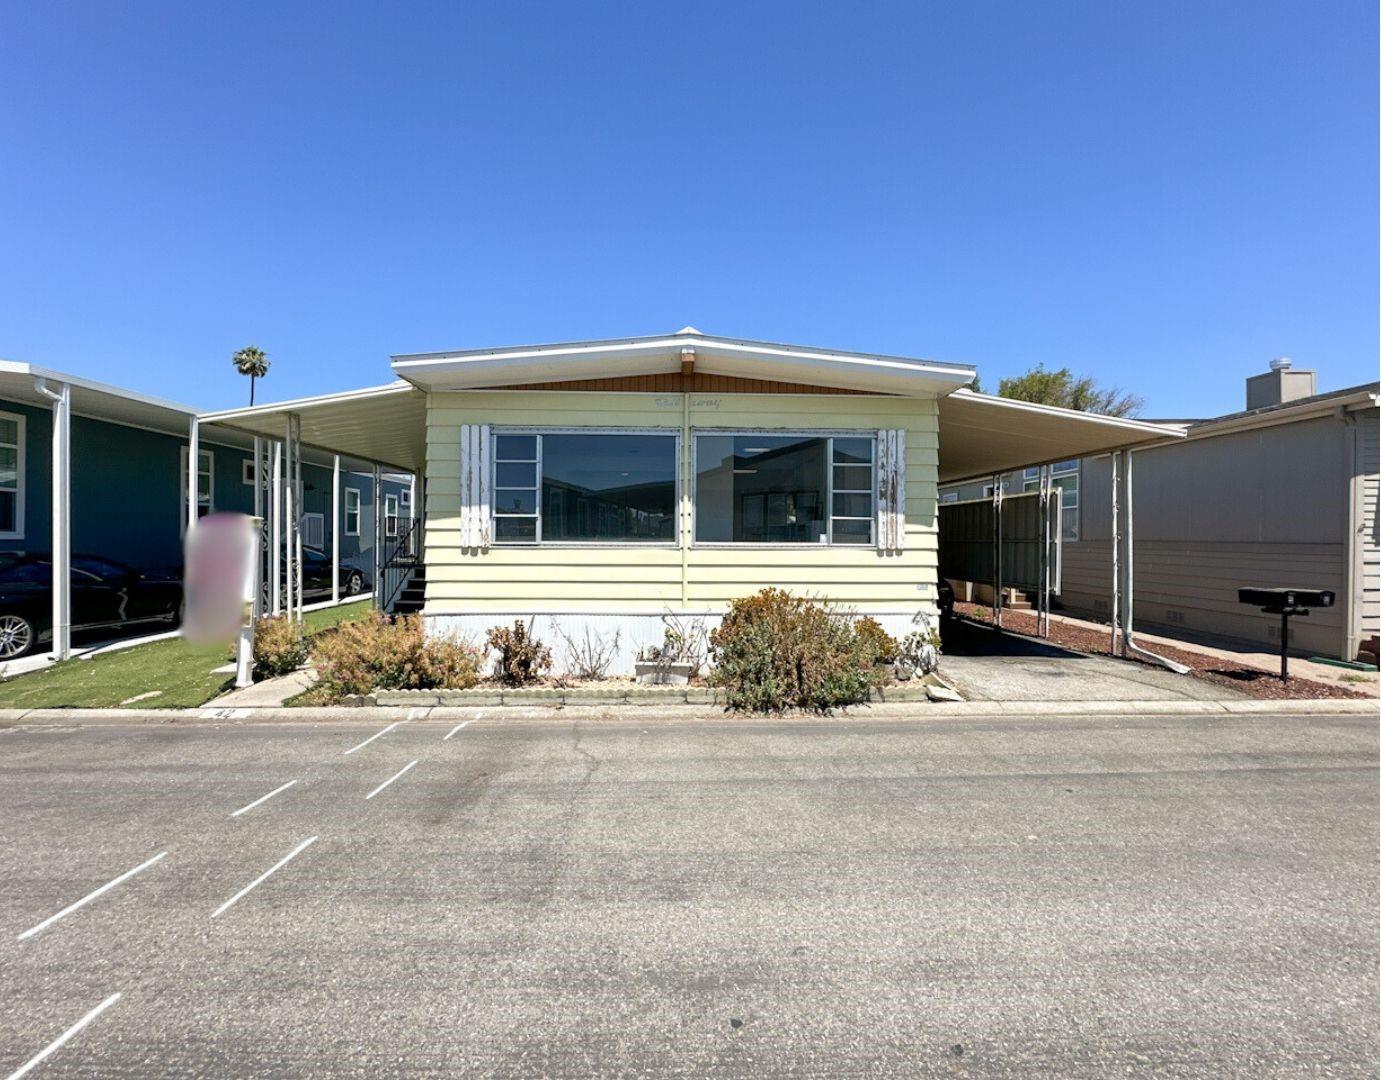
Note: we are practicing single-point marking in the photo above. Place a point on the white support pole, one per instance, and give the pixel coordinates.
(335, 528)
(193, 471)
(276, 532)
(289, 517)
(412, 514)
(299, 494)
(1129, 645)
(1115, 608)
(1043, 615)
(997, 550)
(62, 516)
(378, 536)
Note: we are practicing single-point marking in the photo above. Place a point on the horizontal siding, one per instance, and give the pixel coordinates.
(1193, 587)
(1369, 523)
(592, 578)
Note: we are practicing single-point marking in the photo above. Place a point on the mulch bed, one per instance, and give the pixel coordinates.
(1215, 669)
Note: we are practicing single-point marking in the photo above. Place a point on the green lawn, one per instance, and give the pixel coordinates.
(180, 673)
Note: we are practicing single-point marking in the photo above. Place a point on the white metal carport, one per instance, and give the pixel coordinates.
(982, 437)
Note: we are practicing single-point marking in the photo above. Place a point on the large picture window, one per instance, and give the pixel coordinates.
(762, 488)
(584, 487)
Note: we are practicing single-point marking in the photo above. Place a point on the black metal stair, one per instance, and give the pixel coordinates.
(413, 593)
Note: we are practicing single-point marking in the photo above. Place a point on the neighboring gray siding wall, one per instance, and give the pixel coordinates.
(1261, 507)
(1369, 540)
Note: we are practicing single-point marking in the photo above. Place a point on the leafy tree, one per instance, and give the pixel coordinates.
(253, 362)
(1064, 389)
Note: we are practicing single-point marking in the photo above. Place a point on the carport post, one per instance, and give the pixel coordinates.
(276, 531)
(1043, 609)
(335, 528)
(61, 559)
(997, 550)
(299, 494)
(1115, 608)
(378, 536)
(289, 514)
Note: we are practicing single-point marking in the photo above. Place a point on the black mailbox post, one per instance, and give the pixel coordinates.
(1285, 602)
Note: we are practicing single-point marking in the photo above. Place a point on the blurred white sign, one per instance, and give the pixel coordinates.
(218, 580)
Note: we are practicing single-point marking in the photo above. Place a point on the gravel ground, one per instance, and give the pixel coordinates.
(1215, 669)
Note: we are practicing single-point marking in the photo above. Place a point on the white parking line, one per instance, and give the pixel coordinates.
(390, 780)
(89, 897)
(455, 729)
(263, 798)
(53, 1046)
(375, 736)
(264, 876)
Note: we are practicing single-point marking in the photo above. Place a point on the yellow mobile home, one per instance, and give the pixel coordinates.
(599, 486)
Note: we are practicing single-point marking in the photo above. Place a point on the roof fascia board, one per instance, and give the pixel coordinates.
(480, 368)
(1310, 410)
(1168, 431)
(299, 404)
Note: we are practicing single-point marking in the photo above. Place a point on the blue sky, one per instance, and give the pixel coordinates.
(1162, 195)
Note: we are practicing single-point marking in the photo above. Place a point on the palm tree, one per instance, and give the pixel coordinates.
(253, 362)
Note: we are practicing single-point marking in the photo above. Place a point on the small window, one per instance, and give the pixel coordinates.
(11, 476)
(247, 472)
(205, 484)
(314, 531)
(352, 511)
(949, 496)
(391, 515)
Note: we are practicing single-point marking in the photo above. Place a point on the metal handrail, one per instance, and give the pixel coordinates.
(400, 561)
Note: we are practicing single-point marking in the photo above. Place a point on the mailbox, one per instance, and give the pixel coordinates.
(1285, 602)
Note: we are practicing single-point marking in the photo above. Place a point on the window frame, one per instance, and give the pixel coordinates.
(345, 512)
(20, 476)
(210, 456)
(247, 476)
(320, 519)
(539, 430)
(829, 434)
(391, 519)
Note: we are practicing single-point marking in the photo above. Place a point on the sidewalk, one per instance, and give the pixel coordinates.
(1365, 682)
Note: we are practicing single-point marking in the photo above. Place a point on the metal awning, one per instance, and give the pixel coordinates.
(386, 424)
(982, 435)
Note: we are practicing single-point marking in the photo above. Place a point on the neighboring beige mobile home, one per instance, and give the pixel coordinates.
(1283, 494)
(598, 486)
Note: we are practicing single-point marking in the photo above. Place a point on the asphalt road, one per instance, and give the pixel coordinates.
(1177, 896)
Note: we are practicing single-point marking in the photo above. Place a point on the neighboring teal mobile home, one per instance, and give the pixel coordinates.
(127, 489)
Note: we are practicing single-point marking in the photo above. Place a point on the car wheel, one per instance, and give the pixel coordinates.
(16, 636)
(354, 584)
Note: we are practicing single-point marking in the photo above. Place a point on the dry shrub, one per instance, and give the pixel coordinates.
(776, 651)
(875, 645)
(383, 653)
(522, 658)
(279, 647)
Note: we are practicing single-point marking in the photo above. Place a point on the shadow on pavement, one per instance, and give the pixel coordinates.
(959, 637)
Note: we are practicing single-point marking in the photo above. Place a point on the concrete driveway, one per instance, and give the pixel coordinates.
(988, 665)
(1171, 896)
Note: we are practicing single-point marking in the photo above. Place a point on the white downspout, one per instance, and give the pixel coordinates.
(62, 515)
(276, 532)
(1128, 640)
(335, 529)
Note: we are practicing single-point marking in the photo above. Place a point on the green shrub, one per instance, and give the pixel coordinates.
(776, 651)
(279, 647)
(383, 653)
(522, 658)
(875, 645)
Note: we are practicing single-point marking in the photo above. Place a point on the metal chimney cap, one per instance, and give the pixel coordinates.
(1281, 363)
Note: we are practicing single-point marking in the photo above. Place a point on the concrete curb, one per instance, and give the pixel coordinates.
(913, 711)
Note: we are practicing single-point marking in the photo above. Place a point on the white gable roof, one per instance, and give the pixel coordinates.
(472, 369)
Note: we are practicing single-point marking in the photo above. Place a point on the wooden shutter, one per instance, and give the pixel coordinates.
(891, 508)
(475, 513)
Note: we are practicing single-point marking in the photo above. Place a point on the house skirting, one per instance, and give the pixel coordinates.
(635, 630)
